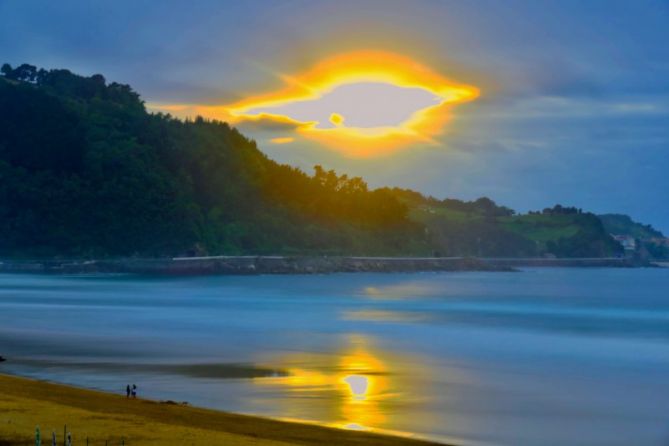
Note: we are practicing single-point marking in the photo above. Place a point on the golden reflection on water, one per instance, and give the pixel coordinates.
(354, 389)
(365, 383)
(398, 291)
(384, 316)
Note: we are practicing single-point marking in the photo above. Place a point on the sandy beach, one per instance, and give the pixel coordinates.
(101, 417)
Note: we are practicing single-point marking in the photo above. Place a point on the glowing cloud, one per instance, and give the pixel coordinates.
(282, 140)
(363, 103)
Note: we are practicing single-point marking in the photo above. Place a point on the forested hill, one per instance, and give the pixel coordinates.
(85, 171)
(649, 241)
(623, 224)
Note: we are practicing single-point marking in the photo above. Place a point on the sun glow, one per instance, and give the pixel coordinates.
(361, 104)
(364, 103)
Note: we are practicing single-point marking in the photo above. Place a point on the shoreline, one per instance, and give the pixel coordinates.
(253, 265)
(26, 403)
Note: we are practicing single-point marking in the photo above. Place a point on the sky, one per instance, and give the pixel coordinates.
(572, 104)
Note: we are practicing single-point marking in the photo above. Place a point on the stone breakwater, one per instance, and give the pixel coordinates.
(593, 262)
(239, 265)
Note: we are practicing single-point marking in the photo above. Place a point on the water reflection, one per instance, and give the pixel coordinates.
(359, 386)
(354, 389)
(371, 315)
(398, 291)
(365, 384)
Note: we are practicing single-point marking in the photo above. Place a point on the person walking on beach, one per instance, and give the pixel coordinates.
(127, 391)
(134, 391)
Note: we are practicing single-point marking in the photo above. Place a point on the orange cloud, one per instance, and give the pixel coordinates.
(356, 68)
(404, 103)
(282, 140)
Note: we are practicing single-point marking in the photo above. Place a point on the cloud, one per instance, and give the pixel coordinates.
(267, 124)
(364, 103)
(282, 140)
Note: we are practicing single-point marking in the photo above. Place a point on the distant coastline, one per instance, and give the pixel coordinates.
(249, 265)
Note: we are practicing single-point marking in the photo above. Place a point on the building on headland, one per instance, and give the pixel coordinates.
(628, 242)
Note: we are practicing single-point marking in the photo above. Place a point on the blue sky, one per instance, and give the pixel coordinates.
(575, 95)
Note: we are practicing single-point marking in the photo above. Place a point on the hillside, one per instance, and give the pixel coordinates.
(624, 225)
(86, 171)
(483, 228)
(651, 242)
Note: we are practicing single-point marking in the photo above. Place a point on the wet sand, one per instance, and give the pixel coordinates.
(100, 417)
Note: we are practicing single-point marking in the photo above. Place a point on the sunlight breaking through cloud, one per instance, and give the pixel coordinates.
(362, 104)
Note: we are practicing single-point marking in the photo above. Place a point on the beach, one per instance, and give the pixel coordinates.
(101, 416)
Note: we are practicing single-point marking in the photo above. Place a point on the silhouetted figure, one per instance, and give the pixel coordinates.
(134, 391)
(127, 391)
(2, 359)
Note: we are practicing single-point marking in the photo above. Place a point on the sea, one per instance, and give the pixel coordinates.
(543, 356)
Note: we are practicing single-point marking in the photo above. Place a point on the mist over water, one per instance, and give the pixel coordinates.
(540, 357)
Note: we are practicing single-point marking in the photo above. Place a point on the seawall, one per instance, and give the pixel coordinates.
(244, 265)
(593, 262)
(237, 265)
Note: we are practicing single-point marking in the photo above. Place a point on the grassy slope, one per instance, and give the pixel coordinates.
(542, 228)
(537, 228)
(564, 235)
(25, 403)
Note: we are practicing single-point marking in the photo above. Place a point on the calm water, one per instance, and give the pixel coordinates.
(541, 357)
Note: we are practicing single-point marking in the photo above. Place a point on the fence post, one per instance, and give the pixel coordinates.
(65, 435)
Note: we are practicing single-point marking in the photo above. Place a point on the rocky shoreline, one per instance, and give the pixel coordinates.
(245, 265)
